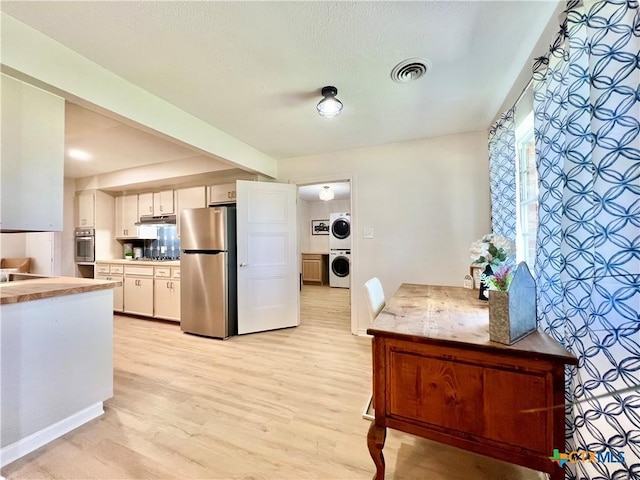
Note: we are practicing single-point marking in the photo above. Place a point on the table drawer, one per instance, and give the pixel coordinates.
(175, 272)
(117, 269)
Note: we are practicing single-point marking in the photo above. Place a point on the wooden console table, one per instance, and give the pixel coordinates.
(436, 374)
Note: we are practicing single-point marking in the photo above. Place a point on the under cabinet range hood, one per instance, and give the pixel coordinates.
(158, 220)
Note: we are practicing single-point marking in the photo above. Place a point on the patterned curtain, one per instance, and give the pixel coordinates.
(502, 176)
(587, 130)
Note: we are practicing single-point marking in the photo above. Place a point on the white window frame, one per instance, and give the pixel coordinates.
(524, 135)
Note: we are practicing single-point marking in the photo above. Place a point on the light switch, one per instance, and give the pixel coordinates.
(368, 233)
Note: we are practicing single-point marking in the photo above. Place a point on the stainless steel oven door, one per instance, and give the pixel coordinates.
(85, 249)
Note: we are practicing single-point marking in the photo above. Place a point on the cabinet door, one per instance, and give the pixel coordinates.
(189, 198)
(167, 298)
(86, 210)
(138, 296)
(117, 292)
(311, 270)
(127, 216)
(163, 203)
(145, 204)
(222, 193)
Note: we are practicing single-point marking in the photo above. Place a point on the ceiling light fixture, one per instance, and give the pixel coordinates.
(329, 106)
(326, 194)
(78, 154)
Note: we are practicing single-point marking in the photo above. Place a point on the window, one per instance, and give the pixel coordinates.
(526, 192)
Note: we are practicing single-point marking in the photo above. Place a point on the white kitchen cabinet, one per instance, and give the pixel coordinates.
(138, 290)
(222, 193)
(163, 203)
(118, 294)
(31, 158)
(112, 272)
(86, 210)
(145, 204)
(195, 197)
(95, 209)
(127, 216)
(167, 298)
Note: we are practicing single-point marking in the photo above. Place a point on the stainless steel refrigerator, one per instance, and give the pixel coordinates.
(208, 294)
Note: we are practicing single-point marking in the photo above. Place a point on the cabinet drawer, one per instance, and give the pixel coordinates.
(117, 269)
(175, 272)
(102, 268)
(138, 270)
(163, 271)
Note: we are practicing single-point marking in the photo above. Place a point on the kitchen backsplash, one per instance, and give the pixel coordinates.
(166, 245)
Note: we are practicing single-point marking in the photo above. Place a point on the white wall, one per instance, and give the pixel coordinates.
(319, 210)
(426, 200)
(12, 245)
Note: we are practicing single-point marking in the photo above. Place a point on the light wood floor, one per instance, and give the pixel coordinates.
(285, 404)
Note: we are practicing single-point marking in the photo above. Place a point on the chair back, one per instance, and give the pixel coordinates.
(375, 297)
(21, 264)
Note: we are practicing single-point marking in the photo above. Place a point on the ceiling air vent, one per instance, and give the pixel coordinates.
(410, 69)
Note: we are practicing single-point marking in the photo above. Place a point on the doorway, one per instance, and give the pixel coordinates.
(324, 248)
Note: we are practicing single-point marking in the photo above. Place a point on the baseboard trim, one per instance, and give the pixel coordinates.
(16, 450)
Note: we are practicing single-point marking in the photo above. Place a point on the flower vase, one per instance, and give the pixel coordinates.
(482, 295)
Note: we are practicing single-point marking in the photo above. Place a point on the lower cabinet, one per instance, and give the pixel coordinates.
(147, 290)
(118, 297)
(166, 298)
(314, 268)
(138, 295)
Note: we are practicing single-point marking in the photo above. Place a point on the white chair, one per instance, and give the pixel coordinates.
(375, 297)
(376, 302)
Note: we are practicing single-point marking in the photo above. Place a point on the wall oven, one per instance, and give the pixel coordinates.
(85, 245)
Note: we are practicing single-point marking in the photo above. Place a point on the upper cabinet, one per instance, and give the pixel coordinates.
(219, 194)
(145, 204)
(31, 159)
(194, 197)
(95, 209)
(86, 210)
(156, 203)
(127, 216)
(163, 203)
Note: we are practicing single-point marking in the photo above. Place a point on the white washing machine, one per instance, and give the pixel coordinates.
(340, 268)
(339, 231)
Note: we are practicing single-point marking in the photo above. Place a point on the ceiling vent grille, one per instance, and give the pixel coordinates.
(410, 70)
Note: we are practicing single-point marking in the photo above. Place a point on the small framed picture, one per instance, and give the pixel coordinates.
(475, 271)
(319, 227)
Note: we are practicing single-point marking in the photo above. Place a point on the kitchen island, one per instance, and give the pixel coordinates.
(56, 341)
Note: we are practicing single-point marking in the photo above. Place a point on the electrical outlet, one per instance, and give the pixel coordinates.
(368, 233)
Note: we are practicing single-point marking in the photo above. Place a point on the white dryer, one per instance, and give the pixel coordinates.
(340, 268)
(339, 231)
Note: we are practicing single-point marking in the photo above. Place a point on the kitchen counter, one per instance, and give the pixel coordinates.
(56, 351)
(39, 288)
(155, 263)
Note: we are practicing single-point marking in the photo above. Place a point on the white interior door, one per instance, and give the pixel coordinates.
(268, 280)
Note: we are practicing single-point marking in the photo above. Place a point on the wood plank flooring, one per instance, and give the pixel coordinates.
(284, 404)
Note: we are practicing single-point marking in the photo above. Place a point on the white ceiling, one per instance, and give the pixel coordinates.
(255, 69)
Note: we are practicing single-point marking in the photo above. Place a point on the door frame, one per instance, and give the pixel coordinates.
(351, 178)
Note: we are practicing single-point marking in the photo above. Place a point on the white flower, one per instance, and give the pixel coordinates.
(502, 243)
(492, 249)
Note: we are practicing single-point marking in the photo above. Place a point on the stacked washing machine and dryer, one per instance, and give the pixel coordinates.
(340, 250)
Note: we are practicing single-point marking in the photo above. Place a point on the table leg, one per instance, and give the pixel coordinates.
(375, 442)
(557, 474)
